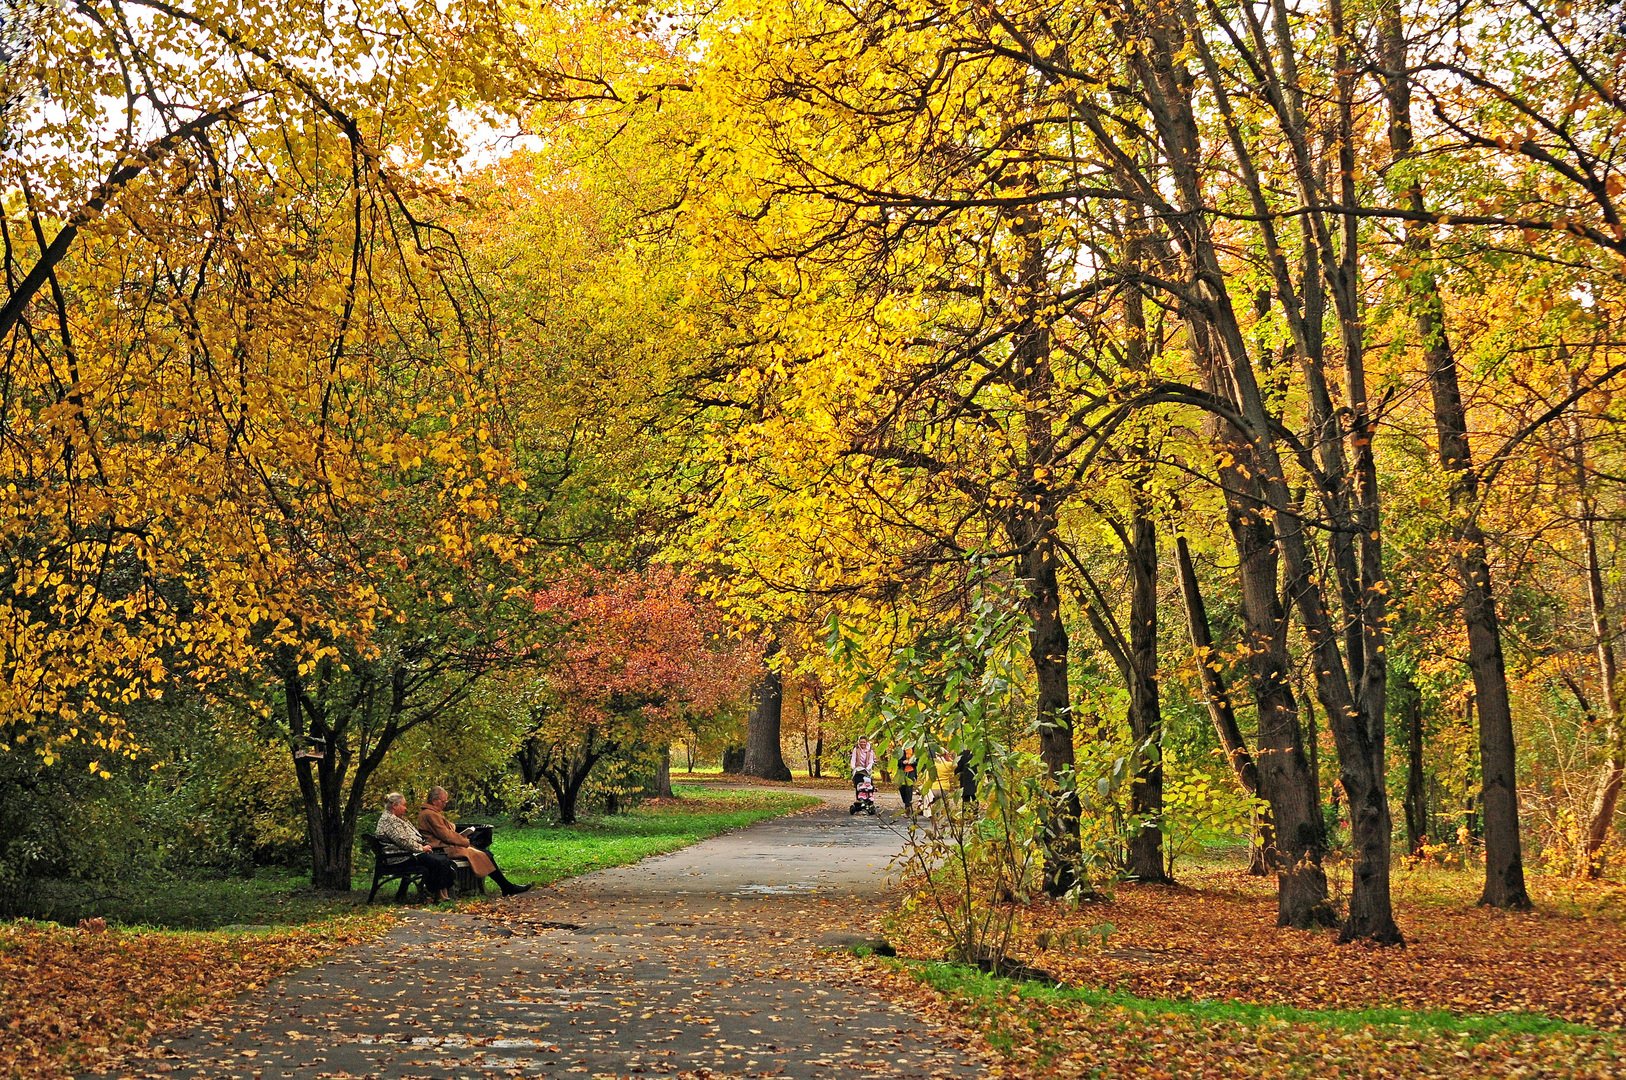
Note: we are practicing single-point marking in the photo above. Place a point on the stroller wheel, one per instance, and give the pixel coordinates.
(870, 809)
(853, 809)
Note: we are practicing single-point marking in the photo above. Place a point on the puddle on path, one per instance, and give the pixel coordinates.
(459, 1041)
(785, 889)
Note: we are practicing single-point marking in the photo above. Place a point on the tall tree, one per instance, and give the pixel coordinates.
(218, 271)
(1504, 857)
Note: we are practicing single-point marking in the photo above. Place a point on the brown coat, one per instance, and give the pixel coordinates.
(444, 837)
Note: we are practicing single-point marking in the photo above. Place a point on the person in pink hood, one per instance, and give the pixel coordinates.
(863, 760)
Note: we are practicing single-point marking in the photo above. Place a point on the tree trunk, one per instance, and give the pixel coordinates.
(1033, 530)
(1371, 913)
(1416, 783)
(733, 759)
(1499, 801)
(1606, 802)
(764, 757)
(1220, 710)
(1504, 857)
(1260, 509)
(1602, 814)
(1145, 718)
(661, 786)
(1284, 777)
(1047, 647)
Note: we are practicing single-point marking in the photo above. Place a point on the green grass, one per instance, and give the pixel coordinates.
(546, 853)
(991, 993)
(273, 896)
(542, 853)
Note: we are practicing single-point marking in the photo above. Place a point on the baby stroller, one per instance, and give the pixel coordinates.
(863, 793)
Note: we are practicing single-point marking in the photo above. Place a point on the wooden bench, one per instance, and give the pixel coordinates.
(392, 865)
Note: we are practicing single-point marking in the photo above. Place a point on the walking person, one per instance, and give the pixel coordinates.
(862, 760)
(965, 771)
(908, 770)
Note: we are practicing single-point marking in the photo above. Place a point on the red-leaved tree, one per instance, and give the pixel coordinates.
(635, 653)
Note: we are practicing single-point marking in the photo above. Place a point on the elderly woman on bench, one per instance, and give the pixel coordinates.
(393, 831)
(434, 824)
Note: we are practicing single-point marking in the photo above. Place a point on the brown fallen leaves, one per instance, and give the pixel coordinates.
(70, 996)
(1214, 939)
(1046, 1039)
(1217, 940)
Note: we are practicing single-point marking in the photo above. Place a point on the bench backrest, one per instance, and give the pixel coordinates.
(382, 853)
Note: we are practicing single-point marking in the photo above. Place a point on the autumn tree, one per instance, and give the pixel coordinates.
(633, 652)
(235, 281)
(1507, 158)
(194, 291)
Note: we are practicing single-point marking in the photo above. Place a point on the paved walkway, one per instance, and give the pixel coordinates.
(712, 961)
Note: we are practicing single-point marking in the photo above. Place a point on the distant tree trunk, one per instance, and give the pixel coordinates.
(1312, 747)
(1047, 647)
(1504, 857)
(529, 760)
(330, 824)
(661, 786)
(1146, 862)
(566, 770)
(1220, 710)
(764, 757)
(1145, 717)
(567, 793)
(1471, 821)
(332, 833)
(1416, 802)
(733, 759)
(1602, 814)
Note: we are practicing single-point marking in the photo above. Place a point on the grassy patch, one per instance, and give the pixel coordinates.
(713, 779)
(992, 992)
(1214, 938)
(546, 853)
(540, 853)
(273, 896)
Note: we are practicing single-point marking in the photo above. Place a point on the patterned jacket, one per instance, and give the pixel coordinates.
(398, 834)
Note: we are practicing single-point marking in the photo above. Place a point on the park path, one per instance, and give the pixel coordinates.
(712, 961)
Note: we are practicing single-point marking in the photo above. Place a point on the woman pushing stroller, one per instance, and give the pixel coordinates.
(863, 766)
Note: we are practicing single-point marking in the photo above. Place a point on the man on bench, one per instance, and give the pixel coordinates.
(393, 831)
(442, 834)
